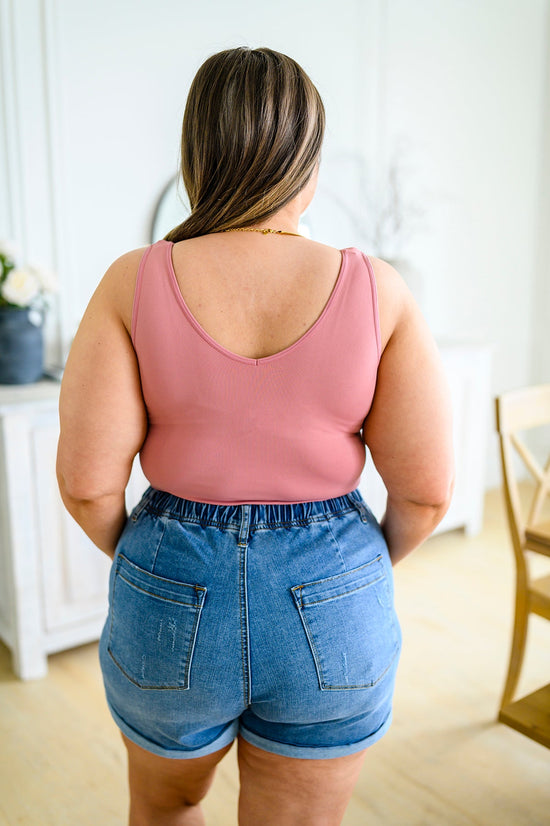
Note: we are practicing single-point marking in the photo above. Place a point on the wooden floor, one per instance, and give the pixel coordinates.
(445, 761)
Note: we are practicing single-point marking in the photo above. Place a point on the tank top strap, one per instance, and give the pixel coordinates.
(353, 292)
(151, 280)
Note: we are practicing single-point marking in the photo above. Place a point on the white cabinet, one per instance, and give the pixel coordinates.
(468, 371)
(53, 580)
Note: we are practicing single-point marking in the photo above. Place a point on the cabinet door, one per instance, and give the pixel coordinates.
(468, 370)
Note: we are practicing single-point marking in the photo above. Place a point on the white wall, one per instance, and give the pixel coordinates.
(116, 78)
(467, 89)
(94, 93)
(465, 84)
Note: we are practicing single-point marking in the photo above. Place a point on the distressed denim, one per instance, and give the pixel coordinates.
(275, 622)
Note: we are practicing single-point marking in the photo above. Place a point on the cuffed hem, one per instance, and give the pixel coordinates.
(314, 752)
(183, 753)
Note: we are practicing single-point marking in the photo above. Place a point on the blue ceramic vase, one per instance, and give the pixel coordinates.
(21, 347)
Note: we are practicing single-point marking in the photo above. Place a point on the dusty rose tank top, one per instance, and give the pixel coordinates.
(226, 429)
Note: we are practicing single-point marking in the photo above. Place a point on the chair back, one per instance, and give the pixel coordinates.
(516, 412)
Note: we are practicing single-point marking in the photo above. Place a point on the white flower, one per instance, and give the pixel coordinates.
(45, 277)
(20, 287)
(10, 250)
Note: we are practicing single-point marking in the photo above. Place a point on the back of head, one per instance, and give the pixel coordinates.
(251, 137)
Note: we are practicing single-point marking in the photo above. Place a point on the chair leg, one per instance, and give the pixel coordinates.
(517, 652)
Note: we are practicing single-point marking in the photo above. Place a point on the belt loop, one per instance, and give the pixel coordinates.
(245, 525)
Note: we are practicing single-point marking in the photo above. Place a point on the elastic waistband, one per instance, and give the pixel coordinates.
(231, 516)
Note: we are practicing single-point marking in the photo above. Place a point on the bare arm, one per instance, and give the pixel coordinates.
(102, 414)
(409, 427)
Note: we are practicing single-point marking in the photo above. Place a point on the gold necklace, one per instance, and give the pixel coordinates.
(263, 231)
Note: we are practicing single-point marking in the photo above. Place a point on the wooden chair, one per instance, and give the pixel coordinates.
(518, 411)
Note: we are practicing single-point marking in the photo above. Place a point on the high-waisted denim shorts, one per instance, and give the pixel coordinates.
(275, 622)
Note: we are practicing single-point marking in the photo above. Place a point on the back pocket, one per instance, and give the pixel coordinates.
(153, 626)
(351, 626)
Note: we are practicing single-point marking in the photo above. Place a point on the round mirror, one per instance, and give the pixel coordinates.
(172, 208)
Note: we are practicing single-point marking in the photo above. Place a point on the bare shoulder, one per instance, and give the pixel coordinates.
(395, 301)
(117, 286)
(125, 267)
(388, 281)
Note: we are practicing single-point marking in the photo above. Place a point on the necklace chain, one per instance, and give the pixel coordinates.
(263, 231)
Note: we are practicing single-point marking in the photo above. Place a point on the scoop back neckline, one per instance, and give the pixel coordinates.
(229, 353)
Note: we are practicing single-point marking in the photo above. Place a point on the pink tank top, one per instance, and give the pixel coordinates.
(226, 429)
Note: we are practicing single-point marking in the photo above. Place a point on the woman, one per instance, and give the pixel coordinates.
(251, 591)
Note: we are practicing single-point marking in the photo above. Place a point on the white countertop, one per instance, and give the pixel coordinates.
(19, 395)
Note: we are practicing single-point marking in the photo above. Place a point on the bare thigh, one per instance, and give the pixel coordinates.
(294, 791)
(165, 791)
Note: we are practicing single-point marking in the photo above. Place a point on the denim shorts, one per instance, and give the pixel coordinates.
(275, 622)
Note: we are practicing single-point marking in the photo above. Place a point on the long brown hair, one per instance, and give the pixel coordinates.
(251, 137)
